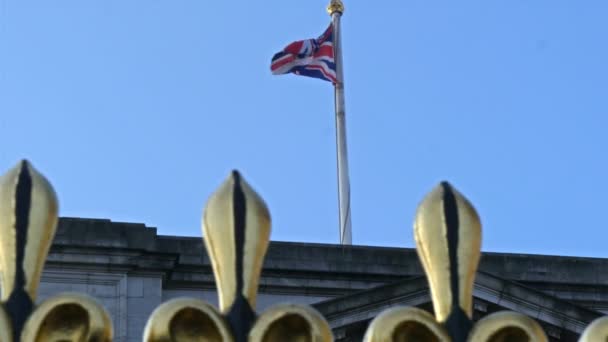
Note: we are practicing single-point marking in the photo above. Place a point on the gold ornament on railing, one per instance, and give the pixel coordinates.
(28, 219)
(447, 231)
(236, 227)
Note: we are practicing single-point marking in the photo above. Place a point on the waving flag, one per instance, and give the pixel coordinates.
(310, 57)
(322, 58)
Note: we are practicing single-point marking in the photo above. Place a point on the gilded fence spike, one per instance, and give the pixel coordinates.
(28, 219)
(447, 231)
(236, 227)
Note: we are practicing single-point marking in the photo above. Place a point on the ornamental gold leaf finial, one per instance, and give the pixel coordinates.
(447, 231)
(448, 241)
(28, 219)
(236, 229)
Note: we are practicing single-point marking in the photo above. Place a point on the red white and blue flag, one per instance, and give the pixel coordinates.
(310, 57)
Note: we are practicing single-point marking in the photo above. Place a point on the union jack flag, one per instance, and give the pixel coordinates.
(310, 57)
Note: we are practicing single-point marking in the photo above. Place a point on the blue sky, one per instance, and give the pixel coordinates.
(137, 110)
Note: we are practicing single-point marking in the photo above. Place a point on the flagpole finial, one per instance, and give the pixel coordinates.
(335, 6)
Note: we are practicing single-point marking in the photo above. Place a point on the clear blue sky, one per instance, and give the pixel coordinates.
(137, 110)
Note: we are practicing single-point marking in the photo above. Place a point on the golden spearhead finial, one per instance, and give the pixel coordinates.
(448, 239)
(28, 219)
(447, 231)
(236, 228)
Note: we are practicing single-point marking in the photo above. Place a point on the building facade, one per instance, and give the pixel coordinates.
(131, 270)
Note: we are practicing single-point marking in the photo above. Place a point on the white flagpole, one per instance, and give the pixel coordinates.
(335, 9)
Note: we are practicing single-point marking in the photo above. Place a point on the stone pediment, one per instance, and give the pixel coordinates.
(562, 320)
